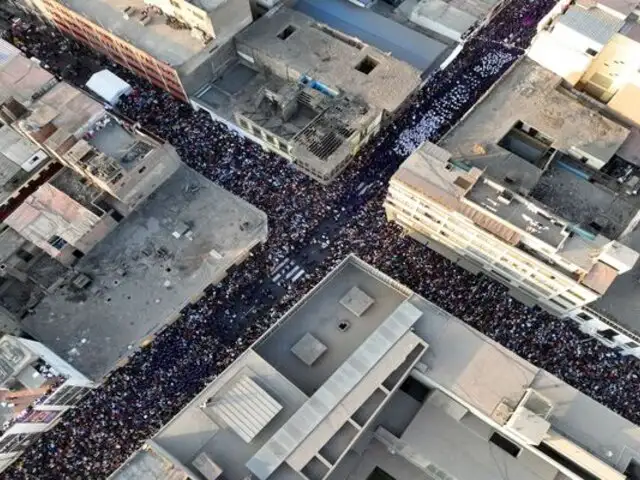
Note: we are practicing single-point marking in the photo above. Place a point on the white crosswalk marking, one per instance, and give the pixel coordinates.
(286, 271)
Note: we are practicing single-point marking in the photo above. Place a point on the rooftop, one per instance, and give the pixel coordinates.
(117, 143)
(465, 388)
(330, 57)
(621, 302)
(593, 23)
(582, 202)
(381, 32)
(529, 95)
(16, 161)
(22, 79)
(314, 125)
(182, 239)
(148, 465)
(68, 109)
(157, 38)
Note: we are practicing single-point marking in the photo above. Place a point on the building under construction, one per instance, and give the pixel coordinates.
(306, 91)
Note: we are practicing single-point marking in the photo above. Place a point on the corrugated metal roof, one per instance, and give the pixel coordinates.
(593, 23)
(246, 408)
(334, 390)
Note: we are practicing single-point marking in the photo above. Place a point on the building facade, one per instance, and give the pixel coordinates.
(36, 388)
(162, 41)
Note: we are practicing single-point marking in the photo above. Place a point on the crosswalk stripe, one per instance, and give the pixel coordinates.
(280, 265)
(292, 272)
(298, 275)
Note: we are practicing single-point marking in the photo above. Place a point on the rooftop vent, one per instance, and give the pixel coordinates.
(344, 325)
(287, 32)
(505, 197)
(128, 12)
(367, 65)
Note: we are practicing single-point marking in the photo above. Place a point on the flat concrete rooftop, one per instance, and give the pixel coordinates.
(461, 369)
(320, 315)
(529, 94)
(21, 78)
(156, 38)
(329, 57)
(143, 275)
(384, 33)
(117, 143)
(148, 465)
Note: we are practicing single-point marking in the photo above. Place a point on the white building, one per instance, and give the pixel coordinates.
(363, 379)
(36, 388)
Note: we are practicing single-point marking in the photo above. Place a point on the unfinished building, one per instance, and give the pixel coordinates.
(307, 92)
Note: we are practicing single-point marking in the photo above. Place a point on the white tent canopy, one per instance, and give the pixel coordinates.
(108, 86)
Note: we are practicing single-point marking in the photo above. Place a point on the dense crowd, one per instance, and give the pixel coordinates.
(136, 399)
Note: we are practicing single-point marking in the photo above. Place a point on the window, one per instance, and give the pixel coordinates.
(24, 255)
(366, 65)
(415, 389)
(117, 178)
(57, 242)
(243, 124)
(77, 254)
(287, 32)
(174, 3)
(591, 52)
(270, 139)
(505, 444)
(631, 345)
(607, 333)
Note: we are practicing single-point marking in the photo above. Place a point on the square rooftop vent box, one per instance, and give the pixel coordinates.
(356, 301)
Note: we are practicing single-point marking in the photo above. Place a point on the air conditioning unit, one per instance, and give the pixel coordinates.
(34, 160)
(128, 12)
(505, 197)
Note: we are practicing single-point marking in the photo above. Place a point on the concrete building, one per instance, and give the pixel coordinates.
(363, 379)
(170, 43)
(186, 237)
(510, 192)
(382, 26)
(36, 388)
(595, 48)
(306, 91)
(452, 19)
(111, 167)
(71, 173)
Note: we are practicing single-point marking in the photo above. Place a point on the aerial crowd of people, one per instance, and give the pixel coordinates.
(94, 439)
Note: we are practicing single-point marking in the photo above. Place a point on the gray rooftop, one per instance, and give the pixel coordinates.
(387, 35)
(143, 275)
(148, 465)
(582, 202)
(529, 94)
(119, 144)
(158, 39)
(472, 376)
(330, 58)
(621, 302)
(593, 23)
(21, 78)
(320, 315)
